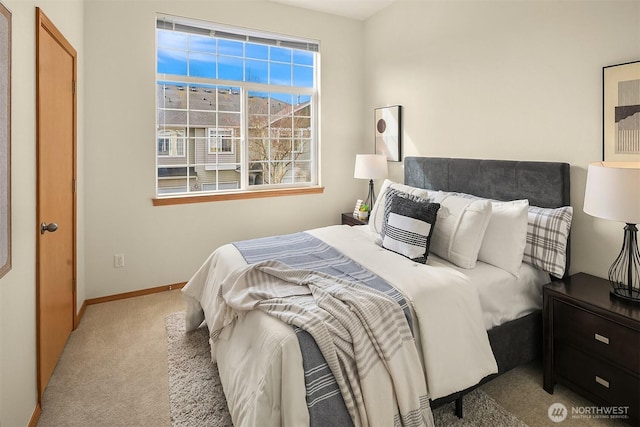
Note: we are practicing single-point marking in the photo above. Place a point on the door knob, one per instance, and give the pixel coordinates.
(51, 227)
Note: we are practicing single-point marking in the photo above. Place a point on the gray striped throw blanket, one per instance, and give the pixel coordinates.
(325, 404)
(362, 334)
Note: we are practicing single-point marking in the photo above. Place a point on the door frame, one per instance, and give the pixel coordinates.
(42, 21)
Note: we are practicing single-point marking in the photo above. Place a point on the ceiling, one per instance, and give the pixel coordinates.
(356, 9)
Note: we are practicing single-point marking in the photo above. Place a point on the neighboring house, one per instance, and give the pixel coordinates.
(200, 131)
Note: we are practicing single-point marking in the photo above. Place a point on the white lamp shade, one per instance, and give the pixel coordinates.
(370, 166)
(613, 191)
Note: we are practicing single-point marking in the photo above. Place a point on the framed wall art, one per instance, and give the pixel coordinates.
(621, 112)
(387, 122)
(5, 140)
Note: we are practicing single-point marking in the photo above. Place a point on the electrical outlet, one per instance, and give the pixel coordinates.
(118, 260)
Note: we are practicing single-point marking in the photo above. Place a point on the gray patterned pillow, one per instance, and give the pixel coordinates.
(390, 194)
(408, 227)
(547, 237)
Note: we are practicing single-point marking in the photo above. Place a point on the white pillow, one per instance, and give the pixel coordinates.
(460, 228)
(506, 236)
(376, 217)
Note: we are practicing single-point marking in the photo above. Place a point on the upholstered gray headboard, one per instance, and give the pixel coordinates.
(545, 184)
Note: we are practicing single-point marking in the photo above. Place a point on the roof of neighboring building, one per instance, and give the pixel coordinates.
(173, 99)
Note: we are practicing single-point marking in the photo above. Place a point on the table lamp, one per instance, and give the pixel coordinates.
(370, 166)
(613, 192)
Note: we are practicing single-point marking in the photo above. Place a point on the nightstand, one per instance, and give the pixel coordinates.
(348, 219)
(591, 343)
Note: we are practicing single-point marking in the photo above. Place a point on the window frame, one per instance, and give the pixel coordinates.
(246, 188)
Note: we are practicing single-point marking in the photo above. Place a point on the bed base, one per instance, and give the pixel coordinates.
(513, 344)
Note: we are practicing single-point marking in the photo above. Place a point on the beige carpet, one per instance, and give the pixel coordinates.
(114, 372)
(197, 400)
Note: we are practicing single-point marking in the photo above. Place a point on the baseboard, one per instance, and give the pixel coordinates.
(76, 320)
(135, 293)
(35, 417)
(124, 296)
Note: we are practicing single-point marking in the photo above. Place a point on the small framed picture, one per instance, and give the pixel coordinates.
(387, 123)
(5, 140)
(356, 210)
(621, 112)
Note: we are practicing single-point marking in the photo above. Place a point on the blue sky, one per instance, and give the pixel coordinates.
(207, 57)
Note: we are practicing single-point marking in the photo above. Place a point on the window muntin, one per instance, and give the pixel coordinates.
(246, 111)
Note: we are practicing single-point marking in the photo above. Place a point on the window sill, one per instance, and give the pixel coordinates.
(182, 200)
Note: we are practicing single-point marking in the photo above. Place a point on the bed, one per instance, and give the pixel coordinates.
(544, 184)
(453, 323)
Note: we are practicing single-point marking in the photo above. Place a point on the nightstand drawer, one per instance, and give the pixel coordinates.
(610, 384)
(596, 335)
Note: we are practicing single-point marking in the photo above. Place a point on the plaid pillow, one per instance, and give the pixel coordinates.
(547, 237)
(409, 226)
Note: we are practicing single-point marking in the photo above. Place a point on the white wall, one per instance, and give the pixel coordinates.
(164, 245)
(506, 80)
(18, 396)
(512, 80)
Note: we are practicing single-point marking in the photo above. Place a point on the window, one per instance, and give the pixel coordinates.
(171, 142)
(236, 109)
(220, 140)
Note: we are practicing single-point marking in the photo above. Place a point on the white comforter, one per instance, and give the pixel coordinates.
(259, 358)
(362, 333)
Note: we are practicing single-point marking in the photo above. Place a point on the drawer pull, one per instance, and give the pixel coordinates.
(602, 382)
(602, 339)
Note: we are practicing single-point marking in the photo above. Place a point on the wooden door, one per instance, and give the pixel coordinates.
(56, 195)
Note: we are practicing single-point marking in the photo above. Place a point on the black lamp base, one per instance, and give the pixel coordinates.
(624, 274)
(371, 197)
(622, 294)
